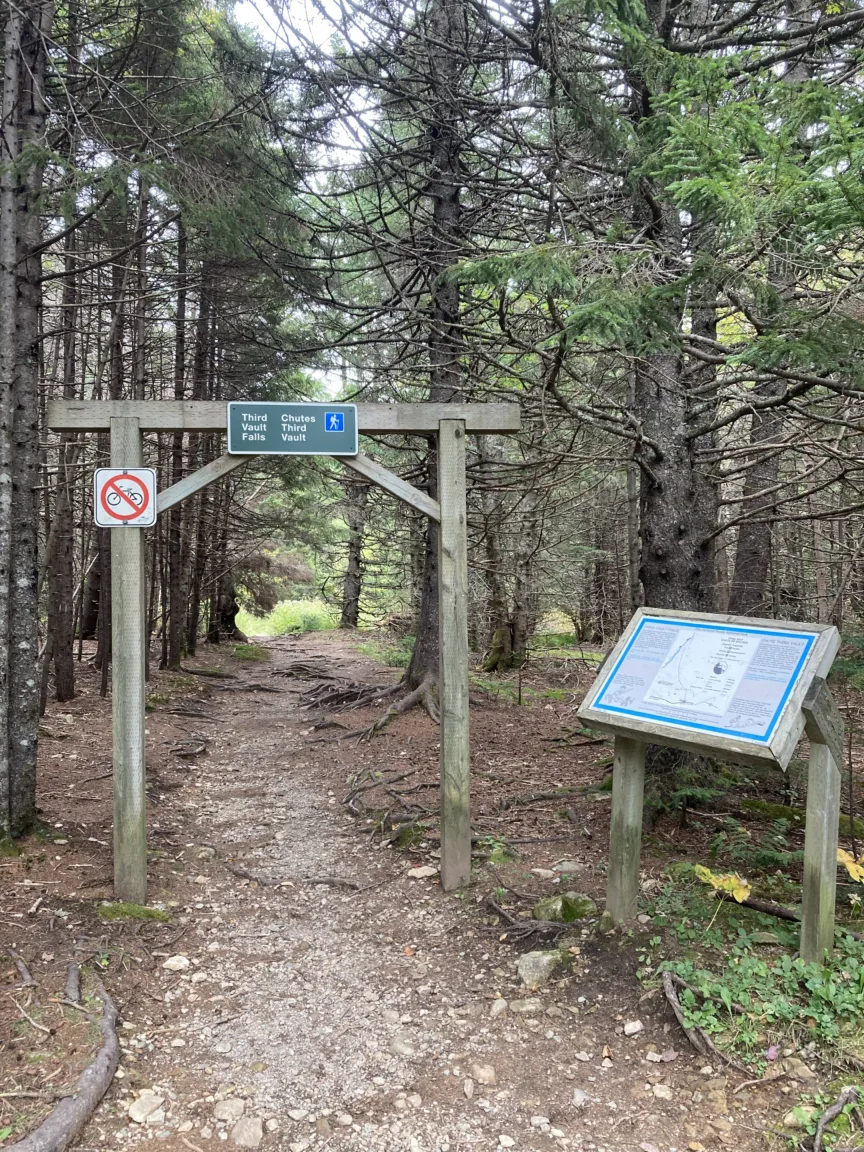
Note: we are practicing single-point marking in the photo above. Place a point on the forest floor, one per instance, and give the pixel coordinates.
(301, 988)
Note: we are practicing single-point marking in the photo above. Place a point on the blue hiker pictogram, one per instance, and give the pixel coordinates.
(334, 421)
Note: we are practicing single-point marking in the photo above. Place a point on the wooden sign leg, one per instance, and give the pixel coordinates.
(453, 658)
(820, 855)
(127, 684)
(625, 835)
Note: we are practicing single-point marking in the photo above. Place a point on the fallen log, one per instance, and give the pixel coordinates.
(66, 1122)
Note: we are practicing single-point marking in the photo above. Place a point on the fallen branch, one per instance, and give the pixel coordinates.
(849, 1095)
(245, 874)
(211, 673)
(781, 912)
(27, 980)
(72, 988)
(332, 881)
(759, 1081)
(29, 1018)
(66, 1122)
(531, 797)
(700, 1040)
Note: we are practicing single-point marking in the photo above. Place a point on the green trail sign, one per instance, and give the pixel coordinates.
(292, 429)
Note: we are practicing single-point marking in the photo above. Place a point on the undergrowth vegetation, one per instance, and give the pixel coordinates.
(288, 616)
(744, 984)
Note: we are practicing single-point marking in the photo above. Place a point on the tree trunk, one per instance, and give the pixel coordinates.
(356, 496)
(446, 39)
(8, 358)
(176, 597)
(24, 574)
(749, 592)
(678, 502)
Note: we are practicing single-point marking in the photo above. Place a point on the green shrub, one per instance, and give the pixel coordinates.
(288, 616)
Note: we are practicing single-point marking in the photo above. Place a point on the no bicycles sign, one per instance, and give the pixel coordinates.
(124, 497)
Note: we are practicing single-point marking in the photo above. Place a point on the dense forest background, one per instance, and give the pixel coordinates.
(641, 220)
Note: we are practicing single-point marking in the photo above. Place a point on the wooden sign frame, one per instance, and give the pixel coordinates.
(788, 725)
(450, 424)
(806, 705)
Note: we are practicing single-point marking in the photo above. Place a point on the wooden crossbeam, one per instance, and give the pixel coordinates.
(212, 416)
(393, 484)
(190, 484)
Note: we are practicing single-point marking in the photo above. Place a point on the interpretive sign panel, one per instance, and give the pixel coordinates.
(292, 429)
(717, 682)
(124, 497)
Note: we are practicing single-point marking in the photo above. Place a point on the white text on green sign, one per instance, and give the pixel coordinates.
(274, 428)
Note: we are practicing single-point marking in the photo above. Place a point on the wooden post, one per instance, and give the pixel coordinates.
(824, 727)
(127, 683)
(820, 855)
(625, 834)
(453, 657)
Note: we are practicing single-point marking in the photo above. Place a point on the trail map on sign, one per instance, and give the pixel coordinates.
(728, 679)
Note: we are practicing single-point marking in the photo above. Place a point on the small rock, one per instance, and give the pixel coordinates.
(633, 1027)
(525, 1007)
(536, 968)
(606, 924)
(539, 1121)
(606, 1062)
(148, 1103)
(582, 1056)
(229, 1110)
(177, 1042)
(468, 1088)
(206, 852)
(248, 1132)
(186, 1126)
(223, 1047)
(580, 1098)
(483, 1074)
(643, 918)
(424, 872)
(800, 1116)
(345, 1119)
(796, 1069)
(764, 938)
(565, 908)
(499, 1007)
(177, 963)
(206, 1132)
(414, 1099)
(401, 1046)
(298, 1114)
(568, 866)
(506, 1142)
(272, 1125)
(391, 1017)
(662, 1092)
(322, 1126)
(543, 873)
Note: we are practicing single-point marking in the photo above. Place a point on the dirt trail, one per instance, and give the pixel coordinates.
(389, 1016)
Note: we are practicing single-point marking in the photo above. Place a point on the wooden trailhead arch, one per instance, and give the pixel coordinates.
(127, 420)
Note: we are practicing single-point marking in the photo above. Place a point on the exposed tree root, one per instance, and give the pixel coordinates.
(66, 1122)
(423, 694)
(849, 1095)
(347, 697)
(700, 1039)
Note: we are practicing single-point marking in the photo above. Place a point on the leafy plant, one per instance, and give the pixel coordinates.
(854, 867)
(731, 883)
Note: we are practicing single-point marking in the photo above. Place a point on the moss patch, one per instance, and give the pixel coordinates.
(795, 816)
(124, 911)
(249, 653)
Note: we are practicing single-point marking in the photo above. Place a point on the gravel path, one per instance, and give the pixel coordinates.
(371, 1011)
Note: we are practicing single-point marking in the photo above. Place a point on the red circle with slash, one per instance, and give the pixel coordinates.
(124, 506)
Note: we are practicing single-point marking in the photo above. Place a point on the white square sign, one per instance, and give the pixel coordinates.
(124, 497)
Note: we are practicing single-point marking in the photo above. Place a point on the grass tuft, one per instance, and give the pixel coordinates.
(124, 911)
